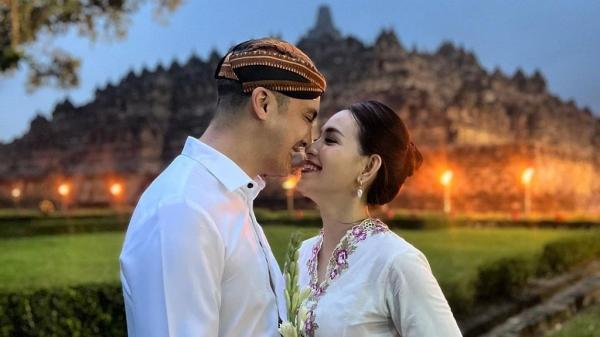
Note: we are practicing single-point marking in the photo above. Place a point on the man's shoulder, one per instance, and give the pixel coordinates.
(185, 184)
(187, 179)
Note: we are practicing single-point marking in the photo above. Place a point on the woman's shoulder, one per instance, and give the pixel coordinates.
(390, 243)
(392, 249)
(400, 255)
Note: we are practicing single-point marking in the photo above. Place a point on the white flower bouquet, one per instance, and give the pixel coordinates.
(294, 297)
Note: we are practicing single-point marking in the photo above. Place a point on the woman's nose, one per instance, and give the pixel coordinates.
(312, 149)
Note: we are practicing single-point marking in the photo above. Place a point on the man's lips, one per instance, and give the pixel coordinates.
(298, 159)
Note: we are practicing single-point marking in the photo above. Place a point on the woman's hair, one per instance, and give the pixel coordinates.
(382, 132)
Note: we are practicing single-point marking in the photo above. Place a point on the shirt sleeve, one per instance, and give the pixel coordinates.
(175, 273)
(416, 302)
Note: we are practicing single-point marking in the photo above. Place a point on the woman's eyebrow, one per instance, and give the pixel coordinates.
(332, 130)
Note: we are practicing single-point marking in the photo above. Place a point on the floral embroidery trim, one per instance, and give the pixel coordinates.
(338, 263)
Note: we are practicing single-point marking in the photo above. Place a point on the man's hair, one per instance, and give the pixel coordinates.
(231, 99)
(230, 95)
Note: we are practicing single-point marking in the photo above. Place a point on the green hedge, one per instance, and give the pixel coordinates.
(460, 298)
(502, 279)
(505, 278)
(97, 309)
(29, 223)
(559, 256)
(31, 226)
(82, 311)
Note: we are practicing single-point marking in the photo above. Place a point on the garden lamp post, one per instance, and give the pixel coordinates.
(289, 185)
(64, 190)
(16, 195)
(117, 190)
(526, 177)
(446, 181)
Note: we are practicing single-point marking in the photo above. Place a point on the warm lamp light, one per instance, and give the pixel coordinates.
(527, 175)
(116, 189)
(64, 189)
(290, 183)
(446, 178)
(16, 193)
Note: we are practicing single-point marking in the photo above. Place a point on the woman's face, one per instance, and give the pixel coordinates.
(334, 160)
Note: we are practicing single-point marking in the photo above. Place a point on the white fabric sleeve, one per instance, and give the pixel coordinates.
(416, 303)
(192, 256)
(176, 269)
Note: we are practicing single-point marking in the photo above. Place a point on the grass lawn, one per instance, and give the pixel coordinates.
(454, 254)
(45, 261)
(584, 324)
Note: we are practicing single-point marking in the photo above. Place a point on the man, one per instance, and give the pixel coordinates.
(195, 262)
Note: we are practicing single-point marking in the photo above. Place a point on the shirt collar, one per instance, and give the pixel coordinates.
(220, 166)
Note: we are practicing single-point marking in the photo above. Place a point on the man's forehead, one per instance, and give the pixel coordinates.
(309, 105)
(315, 103)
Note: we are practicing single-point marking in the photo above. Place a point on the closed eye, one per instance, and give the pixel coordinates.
(328, 140)
(311, 116)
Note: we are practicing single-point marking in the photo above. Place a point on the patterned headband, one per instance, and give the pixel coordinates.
(275, 65)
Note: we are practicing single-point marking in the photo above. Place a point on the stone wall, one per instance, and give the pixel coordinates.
(485, 125)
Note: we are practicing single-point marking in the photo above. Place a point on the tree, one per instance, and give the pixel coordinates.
(23, 22)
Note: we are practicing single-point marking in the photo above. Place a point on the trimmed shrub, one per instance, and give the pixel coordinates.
(61, 225)
(81, 311)
(421, 222)
(562, 255)
(502, 279)
(460, 298)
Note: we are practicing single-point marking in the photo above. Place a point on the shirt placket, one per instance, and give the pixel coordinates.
(250, 196)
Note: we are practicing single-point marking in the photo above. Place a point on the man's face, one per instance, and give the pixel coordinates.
(293, 126)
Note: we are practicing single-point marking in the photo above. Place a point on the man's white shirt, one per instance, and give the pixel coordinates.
(195, 261)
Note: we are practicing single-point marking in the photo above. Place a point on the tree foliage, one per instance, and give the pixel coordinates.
(25, 22)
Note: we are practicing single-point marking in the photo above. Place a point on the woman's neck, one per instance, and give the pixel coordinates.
(340, 216)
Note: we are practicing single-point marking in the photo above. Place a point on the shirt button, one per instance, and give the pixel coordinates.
(250, 185)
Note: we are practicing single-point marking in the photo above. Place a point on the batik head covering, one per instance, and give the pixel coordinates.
(273, 64)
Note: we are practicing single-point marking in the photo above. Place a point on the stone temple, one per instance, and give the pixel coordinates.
(485, 126)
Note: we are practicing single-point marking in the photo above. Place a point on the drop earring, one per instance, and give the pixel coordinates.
(359, 192)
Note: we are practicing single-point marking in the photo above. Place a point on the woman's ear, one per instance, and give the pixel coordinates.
(370, 171)
(259, 103)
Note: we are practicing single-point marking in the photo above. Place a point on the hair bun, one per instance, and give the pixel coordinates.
(413, 160)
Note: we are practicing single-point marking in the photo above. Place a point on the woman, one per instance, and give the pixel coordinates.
(364, 279)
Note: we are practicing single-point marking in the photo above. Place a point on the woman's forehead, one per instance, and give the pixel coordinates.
(342, 120)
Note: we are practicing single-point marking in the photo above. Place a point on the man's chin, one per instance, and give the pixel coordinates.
(275, 175)
(282, 173)
(286, 169)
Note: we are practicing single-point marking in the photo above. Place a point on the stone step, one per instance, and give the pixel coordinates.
(539, 319)
(538, 291)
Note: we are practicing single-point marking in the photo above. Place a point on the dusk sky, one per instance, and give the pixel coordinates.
(561, 38)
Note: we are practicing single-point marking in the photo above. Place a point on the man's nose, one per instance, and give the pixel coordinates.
(311, 139)
(300, 146)
(298, 154)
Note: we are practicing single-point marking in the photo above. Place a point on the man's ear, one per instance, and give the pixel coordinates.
(260, 100)
(370, 171)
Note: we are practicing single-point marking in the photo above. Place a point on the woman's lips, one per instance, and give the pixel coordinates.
(309, 167)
